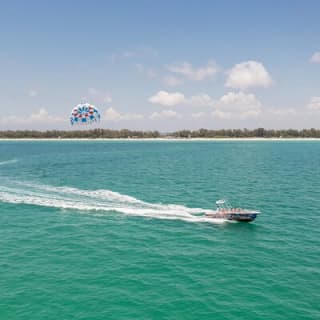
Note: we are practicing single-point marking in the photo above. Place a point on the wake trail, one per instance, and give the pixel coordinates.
(3, 163)
(101, 201)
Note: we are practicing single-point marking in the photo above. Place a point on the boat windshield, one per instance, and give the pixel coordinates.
(223, 204)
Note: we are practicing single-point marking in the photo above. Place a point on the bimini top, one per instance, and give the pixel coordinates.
(220, 202)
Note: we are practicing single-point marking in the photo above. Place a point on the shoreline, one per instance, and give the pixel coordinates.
(160, 139)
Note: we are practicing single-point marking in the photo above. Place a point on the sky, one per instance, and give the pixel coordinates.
(160, 65)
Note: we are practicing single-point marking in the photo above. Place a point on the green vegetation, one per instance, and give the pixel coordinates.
(90, 134)
(126, 134)
(246, 133)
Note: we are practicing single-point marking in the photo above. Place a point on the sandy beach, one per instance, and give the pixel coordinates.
(163, 139)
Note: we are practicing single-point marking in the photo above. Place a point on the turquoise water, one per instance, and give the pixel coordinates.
(106, 230)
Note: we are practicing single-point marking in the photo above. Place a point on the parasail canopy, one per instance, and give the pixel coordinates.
(84, 113)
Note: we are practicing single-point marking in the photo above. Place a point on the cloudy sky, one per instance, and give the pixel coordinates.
(163, 65)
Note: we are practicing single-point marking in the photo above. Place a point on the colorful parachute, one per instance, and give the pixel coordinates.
(84, 113)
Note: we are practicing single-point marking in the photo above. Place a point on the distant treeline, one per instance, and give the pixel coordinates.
(90, 134)
(202, 133)
(246, 133)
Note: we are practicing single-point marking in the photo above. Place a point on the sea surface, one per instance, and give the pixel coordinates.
(112, 230)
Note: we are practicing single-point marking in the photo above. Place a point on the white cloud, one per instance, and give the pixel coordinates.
(221, 114)
(112, 115)
(39, 117)
(32, 93)
(186, 70)
(230, 105)
(42, 115)
(115, 116)
(315, 57)
(198, 115)
(168, 114)
(238, 98)
(168, 99)
(237, 105)
(201, 100)
(100, 97)
(314, 104)
(248, 74)
(282, 112)
(165, 98)
(172, 81)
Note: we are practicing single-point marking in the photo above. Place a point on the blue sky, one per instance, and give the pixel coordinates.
(163, 65)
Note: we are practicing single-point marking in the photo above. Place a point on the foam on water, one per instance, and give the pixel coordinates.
(2, 163)
(98, 201)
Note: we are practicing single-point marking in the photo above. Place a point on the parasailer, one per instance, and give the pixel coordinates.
(84, 113)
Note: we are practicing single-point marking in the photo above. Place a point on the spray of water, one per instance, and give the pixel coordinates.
(98, 201)
(3, 163)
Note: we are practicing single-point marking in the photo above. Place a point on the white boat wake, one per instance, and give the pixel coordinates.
(98, 201)
(3, 163)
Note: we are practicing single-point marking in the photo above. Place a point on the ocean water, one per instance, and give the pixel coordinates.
(111, 230)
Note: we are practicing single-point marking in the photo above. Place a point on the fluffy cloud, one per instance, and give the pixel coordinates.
(315, 57)
(168, 99)
(237, 105)
(314, 104)
(248, 74)
(230, 105)
(165, 114)
(186, 70)
(222, 114)
(40, 117)
(238, 98)
(201, 100)
(115, 116)
(112, 115)
(165, 98)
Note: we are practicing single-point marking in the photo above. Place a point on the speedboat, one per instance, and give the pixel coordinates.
(226, 211)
